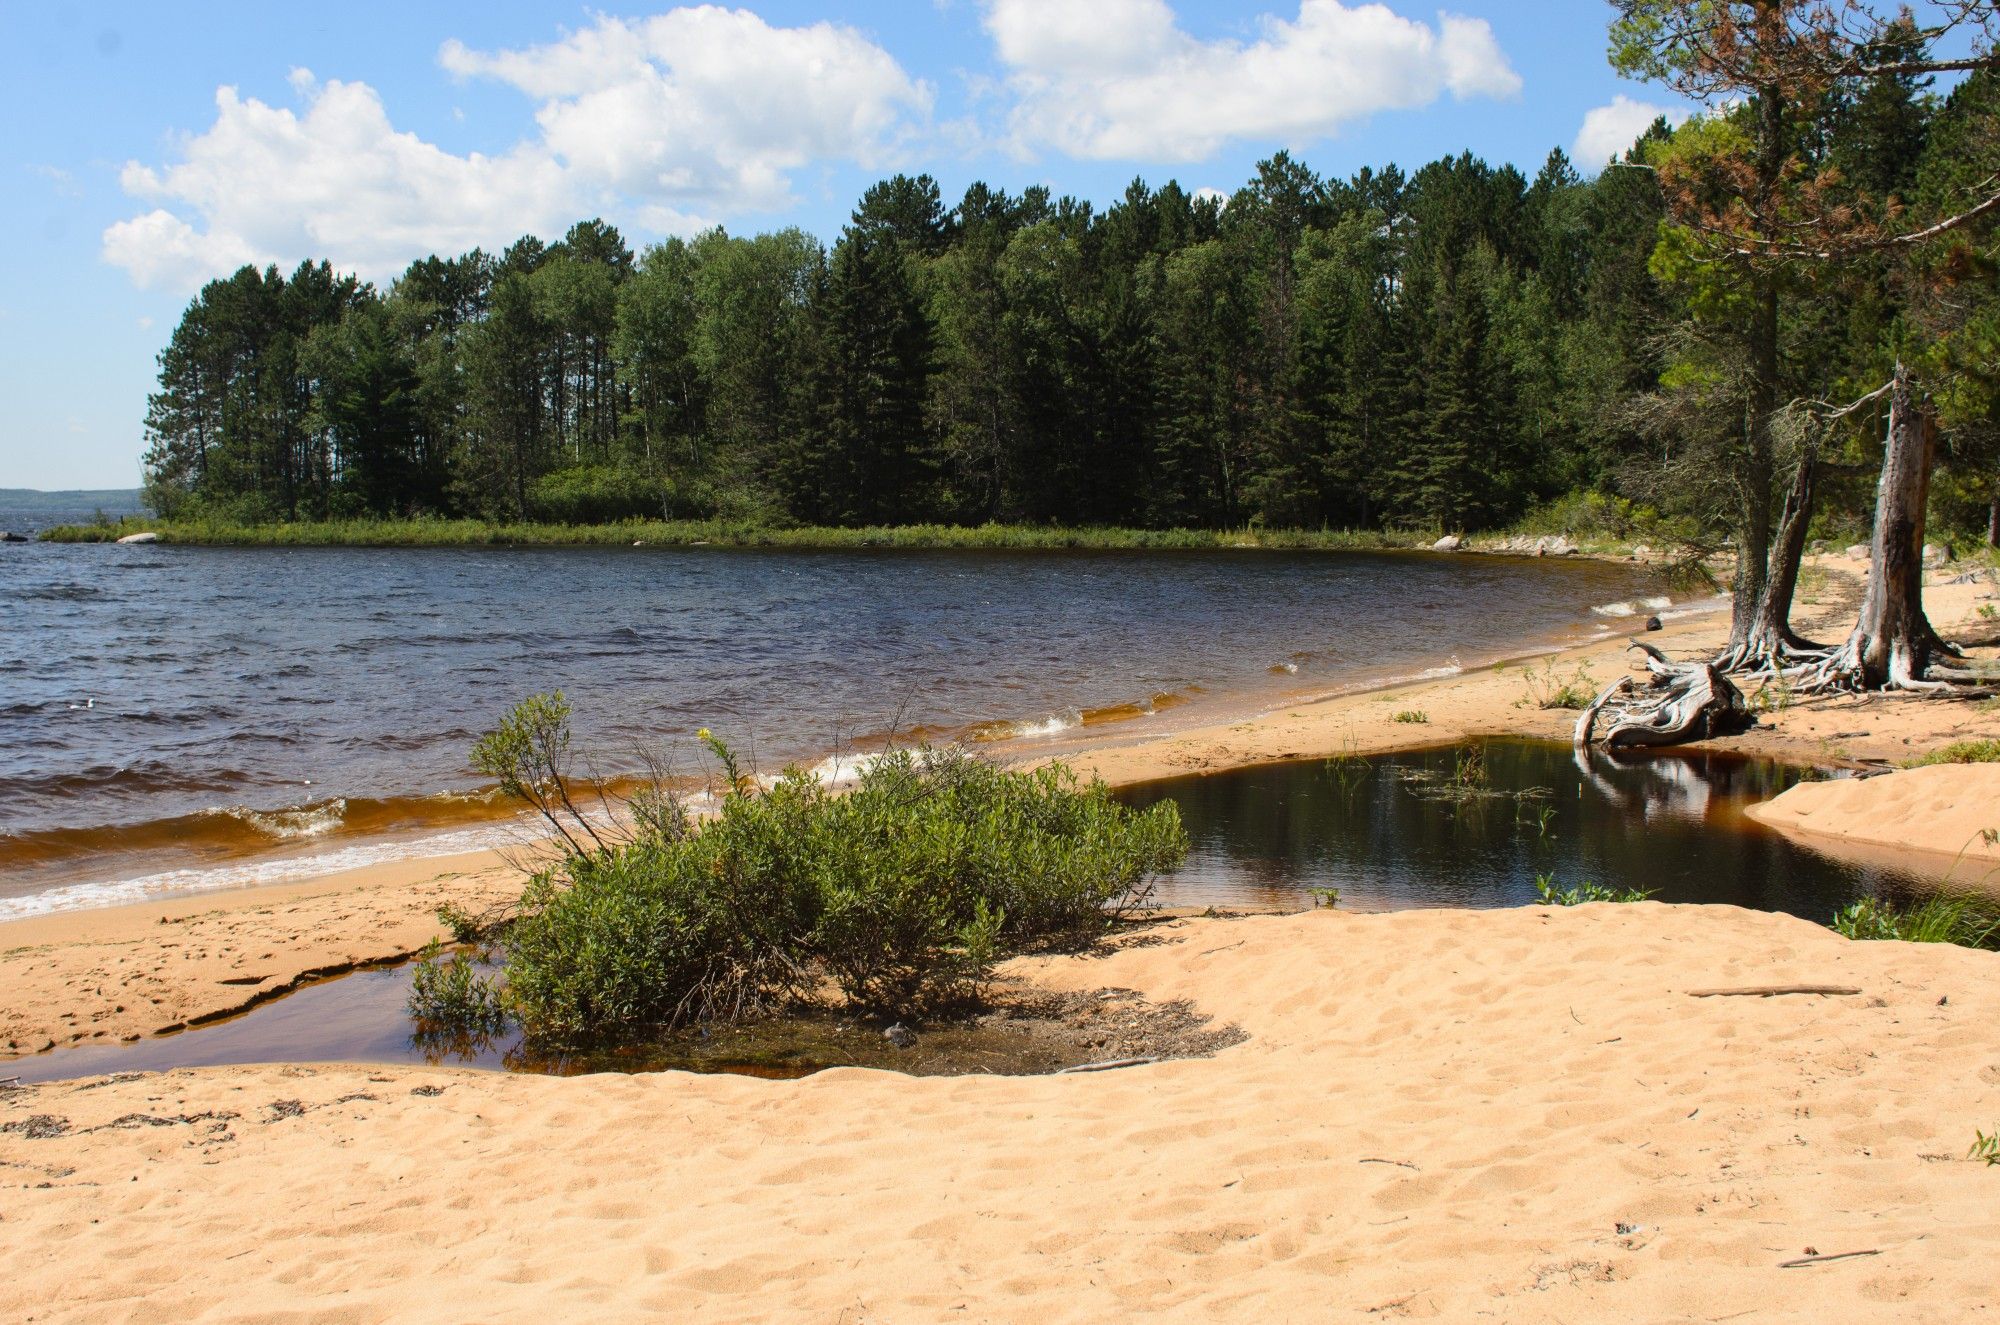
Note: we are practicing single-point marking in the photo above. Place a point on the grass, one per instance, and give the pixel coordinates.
(1545, 689)
(1414, 716)
(727, 533)
(1985, 1147)
(1773, 696)
(1959, 752)
(1935, 920)
(1466, 782)
(1551, 895)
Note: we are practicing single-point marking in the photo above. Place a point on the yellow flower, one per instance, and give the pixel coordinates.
(705, 734)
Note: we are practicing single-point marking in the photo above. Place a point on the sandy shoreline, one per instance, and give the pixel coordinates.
(1517, 1114)
(106, 973)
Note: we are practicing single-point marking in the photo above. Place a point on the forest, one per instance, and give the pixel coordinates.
(1448, 348)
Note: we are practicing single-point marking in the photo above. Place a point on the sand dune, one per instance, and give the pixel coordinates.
(1946, 810)
(1515, 1115)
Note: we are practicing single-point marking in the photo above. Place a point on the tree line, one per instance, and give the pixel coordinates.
(1446, 348)
(1442, 348)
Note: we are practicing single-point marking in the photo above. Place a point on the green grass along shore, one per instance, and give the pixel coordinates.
(479, 533)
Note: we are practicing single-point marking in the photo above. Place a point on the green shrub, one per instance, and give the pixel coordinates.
(1959, 752)
(1985, 1146)
(450, 996)
(902, 892)
(1414, 716)
(605, 494)
(1545, 888)
(1935, 920)
(463, 926)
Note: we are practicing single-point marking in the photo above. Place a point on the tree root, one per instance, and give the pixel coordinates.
(1771, 654)
(1680, 702)
(1909, 671)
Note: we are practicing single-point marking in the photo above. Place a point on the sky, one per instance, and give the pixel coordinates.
(150, 147)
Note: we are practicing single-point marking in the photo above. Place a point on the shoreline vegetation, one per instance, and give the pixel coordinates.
(1686, 561)
(726, 533)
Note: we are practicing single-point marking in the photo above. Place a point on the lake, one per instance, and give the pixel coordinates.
(180, 718)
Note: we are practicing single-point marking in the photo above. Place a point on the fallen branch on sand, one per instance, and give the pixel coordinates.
(1767, 991)
(1106, 1066)
(1399, 1163)
(1822, 1260)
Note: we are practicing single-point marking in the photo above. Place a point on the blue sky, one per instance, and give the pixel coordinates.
(372, 133)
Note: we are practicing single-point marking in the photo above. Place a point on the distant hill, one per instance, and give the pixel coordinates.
(33, 501)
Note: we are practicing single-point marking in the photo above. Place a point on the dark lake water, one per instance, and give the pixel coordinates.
(176, 718)
(1380, 831)
(1373, 828)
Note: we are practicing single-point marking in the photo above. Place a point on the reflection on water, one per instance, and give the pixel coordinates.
(1673, 823)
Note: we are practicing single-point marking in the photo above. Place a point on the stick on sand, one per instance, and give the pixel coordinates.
(1766, 991)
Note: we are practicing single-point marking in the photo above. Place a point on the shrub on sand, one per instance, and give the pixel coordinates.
(1959, 752)
(1551, 895)
(901, 893)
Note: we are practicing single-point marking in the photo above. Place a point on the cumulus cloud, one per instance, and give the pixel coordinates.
(708, 107)
(1609, 131)
(661, 121)
(1121, 79)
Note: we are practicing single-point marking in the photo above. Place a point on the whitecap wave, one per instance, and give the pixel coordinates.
(304, 822)
(1052, 725)
(1632, 607)
(250, 874)
(843, 770)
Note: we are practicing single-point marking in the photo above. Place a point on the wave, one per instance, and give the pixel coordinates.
(1052, 725)
(246, 874)
(144, 776)
(289, 825)
(239, 830)
(61, 593)
(1634, 606)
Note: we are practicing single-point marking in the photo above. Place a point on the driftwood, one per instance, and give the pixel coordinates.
(1822, 1260)
(1767, 991)
(1108, 1065)
(1679, 702)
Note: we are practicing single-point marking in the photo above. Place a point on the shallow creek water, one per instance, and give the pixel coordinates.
(1373, 828)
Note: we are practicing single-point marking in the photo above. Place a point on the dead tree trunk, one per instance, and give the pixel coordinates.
(1681, 702)
(1770, 644)
(1893, 645)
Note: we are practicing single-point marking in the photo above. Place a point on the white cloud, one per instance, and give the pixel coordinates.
(664, 121)
(709, 106)
(1120, 79)
(1609, 131)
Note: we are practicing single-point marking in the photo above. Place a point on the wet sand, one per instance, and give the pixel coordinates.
(1439, 1114)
